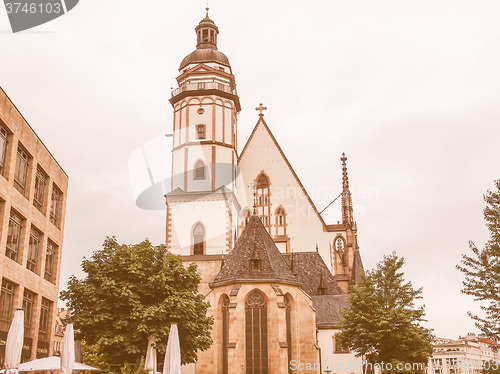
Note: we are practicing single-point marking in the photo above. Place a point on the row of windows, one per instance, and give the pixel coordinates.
(14, 247)
(30, 301)
(22, 178)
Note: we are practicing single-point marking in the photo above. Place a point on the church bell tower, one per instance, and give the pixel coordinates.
(202, 209)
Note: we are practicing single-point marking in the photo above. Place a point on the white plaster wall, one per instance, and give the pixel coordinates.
(339, 363)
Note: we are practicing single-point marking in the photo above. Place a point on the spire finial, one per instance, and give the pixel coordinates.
(347, 214)
(261, 109)
(207, 8)
(253, 186)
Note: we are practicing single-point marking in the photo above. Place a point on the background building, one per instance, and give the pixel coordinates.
(466, 355)
(33, 190)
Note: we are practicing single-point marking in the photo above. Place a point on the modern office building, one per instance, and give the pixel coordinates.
(32, 208)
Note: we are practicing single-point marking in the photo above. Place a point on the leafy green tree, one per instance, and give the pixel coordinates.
(383, 323)
(132, 292)
(482, 269)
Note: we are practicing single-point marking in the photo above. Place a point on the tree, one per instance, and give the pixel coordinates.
(482, 269)
(132, 292)
(382, 322)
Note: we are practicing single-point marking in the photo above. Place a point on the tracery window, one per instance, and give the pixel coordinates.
(280, 221)
(288, 317)
(256, 334)
(263, 199)
(225, 335)
(198, 239)
(340, 248)
(245, 214)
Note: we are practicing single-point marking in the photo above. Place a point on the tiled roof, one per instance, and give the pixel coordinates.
(255, 257)
(312, 271)
(329, 309)
(357, 268)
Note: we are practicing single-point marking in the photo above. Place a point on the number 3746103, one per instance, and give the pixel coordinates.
(32, 8)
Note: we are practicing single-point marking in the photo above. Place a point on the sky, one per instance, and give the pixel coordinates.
(409, 90)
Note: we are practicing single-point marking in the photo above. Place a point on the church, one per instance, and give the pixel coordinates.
(275, 273)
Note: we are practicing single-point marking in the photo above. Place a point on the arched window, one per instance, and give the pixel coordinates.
(199, 170)
(256, 334)
(280, 221)
(288, 318)
(263, 199)
(225, 334)
(198, 239)
(340, 249)
(245, 217)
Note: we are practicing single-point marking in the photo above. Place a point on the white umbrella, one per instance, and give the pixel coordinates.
(68, 350)
(51, 363)
(150, 363)
(15, 338)
(172, 364)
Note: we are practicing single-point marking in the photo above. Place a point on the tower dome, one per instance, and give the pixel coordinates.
(206, 46)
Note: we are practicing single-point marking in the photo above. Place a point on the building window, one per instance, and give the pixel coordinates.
(199, 170)
(50, 261)
(225, 335)
(21, 174)
(28, 301)
(263, 199)
(256, 334)
(288, 318)
(13, 237)
(6, 305)
(55, 208)
(337, 348)
(3, 149)
(198, 239)
(280, 221)
(201, 85)
(34, 250)
(38, 199)
(245, 214)
(200, 131)
(340, 249)
(44, 330)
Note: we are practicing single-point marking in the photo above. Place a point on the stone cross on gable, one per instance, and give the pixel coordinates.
(261, 109)
(253, 186)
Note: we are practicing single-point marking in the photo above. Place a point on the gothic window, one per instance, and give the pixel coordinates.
(21, 173)
(280, 221)
(245, 217)
(199, 170)
(225, 335)
(256, 334)
(340, 248)
(263, 199)
(38, 199)
(34, 250)
(6, 305)
(200, 131)
(288, 313)
(198, 239)
(13, 237)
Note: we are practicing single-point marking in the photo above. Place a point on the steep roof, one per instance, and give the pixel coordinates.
(329, 309)
(357, 268)
(256, 258)
(311, 270)
(301, 186)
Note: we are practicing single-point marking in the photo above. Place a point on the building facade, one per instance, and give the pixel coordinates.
(33, 189)
(272, 269)
(466, 355)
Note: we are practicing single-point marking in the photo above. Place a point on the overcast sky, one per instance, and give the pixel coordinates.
(408, 89)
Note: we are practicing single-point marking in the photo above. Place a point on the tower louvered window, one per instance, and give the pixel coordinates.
(256, 334)
(263, 200)
(280, 221)
(198, 239)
